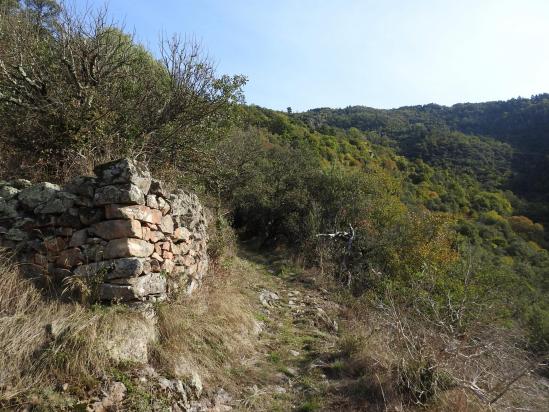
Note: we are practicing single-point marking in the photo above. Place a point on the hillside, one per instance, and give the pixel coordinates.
(519, 123)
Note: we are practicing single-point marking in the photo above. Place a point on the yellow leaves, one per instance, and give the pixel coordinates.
(507, 260)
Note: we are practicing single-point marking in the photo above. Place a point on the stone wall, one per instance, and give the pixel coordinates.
(120, 231)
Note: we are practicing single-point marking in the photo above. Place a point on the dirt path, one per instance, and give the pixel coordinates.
(297, 366)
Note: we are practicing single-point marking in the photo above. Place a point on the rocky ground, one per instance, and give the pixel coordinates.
(294, 365)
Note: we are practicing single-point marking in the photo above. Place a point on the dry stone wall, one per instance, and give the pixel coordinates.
(119, 230)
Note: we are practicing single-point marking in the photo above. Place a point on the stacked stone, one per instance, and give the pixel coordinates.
(119, 229)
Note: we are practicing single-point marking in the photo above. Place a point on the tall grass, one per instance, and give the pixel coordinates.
(45, 343)
(212, 332)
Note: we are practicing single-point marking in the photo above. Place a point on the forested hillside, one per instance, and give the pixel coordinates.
(425, 132)
(393, 182)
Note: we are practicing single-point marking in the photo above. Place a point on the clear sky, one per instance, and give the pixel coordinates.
(384, 53)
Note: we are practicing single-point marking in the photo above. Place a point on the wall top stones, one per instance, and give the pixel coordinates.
(120, 230)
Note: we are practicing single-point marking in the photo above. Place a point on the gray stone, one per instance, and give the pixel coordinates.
(69, 218)
(82, 185)
(93, 253)
(148, 284)
(120, 293)
(178, 386)
(89, 215)
(135, 288)
(116, 268)
(152, 202)
(156, 236)
(16, 235)
(192, 284)
(128, 247)
(164, 383)
(267, 298)
(60, 204)
(163, 205)
(182, 233)
(124, 171)
(130, 341)
(34, 195)
(124, 193)
(157, 188)
(116, 392)
(7, 192)
(166, 224)
(79, 238)
(195, 384)
(177, 207)
(8, 208)
(138, 212)
(20, 183)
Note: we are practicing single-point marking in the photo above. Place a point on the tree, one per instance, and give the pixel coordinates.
(76, 86)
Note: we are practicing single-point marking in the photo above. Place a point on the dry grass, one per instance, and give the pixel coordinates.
(213, 331)
(44, 343)
(397, 362)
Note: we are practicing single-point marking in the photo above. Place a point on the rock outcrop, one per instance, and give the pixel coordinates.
(119, 230)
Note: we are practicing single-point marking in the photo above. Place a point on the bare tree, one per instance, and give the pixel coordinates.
(77, 85)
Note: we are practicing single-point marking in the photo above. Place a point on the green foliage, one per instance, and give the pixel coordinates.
(432, 228)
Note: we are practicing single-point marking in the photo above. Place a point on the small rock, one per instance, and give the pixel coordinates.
(79, 238)
(182, 233)
(166, 224)
(16, 235)
(291, 372)
(8, 208)
(60, 204)
(279, 389)
(267, 298)
(116, 392)
(152, 202)
(21, 183)
(157, 188)
(89, 215)
(164, 383)
(133, 288)
(195, 384)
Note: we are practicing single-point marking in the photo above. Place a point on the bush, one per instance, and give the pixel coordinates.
(76, 89)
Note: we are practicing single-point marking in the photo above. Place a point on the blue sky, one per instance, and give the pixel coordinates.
(384, 53)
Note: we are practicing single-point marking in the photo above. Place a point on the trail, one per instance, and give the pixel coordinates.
(297, 366)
